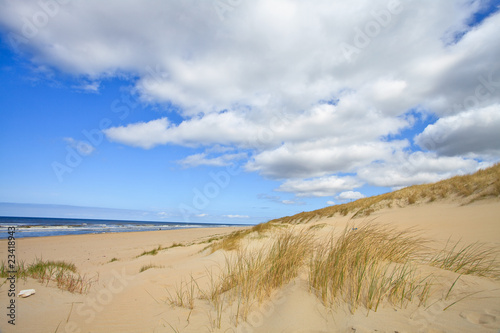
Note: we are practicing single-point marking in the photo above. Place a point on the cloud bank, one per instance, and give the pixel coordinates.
(301, 92)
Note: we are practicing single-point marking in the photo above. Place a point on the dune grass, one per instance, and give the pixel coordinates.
(251, 276)
(185, 294)
(159, 248)
(233, 240)
(152, 252)
(363, 267)
(248, 276)
(367, 265)
(62, 273)
(148, 266)
(471, 259)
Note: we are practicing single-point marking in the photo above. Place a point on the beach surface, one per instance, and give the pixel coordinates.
(121, 298)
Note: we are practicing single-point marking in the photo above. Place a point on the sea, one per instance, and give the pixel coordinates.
(43, 227)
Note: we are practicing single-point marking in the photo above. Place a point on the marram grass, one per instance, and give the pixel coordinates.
(62, 273)
(363, 267)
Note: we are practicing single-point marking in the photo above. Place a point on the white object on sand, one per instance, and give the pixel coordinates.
(26, 293)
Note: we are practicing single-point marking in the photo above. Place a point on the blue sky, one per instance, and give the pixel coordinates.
(219, 111)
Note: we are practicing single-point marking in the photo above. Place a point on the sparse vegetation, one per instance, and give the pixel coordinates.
(62, 273)
(153, 252)
(185, 294)
(472, 259)
(232, 241)
(149, 266)
(366, 265)
(262, 227)
(113, 259)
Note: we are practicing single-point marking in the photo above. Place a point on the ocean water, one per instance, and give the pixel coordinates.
(42, 227)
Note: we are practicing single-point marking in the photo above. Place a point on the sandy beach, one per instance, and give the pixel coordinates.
(123, 299)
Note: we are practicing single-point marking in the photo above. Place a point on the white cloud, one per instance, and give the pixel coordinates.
(203, 159)
(82, 147)
(349, 195)
(319, 187)
(289, 202)
(144, 135)
(163, 215)
(201, 215)
(405, 169)
(237, 216)
(475, 133)
(331, 203)
(91, 87)
(266, 90)
(278, 199)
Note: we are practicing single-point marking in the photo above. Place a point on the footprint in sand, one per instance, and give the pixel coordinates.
(486, 320)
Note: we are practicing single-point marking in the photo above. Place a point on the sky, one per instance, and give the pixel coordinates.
(238, 111)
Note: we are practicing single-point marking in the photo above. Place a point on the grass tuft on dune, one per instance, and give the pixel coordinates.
(368, 265)
(363, 267)
(64, 274)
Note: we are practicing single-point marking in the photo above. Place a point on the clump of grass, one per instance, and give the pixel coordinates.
(473, 259)
(368, 265)
(229, 242)
(413, 198)
(254, 275)
(364, 267)
(149, 266)
(248, 276)
(64, 274)
(153, 252)
(113, 259)
(185, 294)
(262, 227)
(318, 226)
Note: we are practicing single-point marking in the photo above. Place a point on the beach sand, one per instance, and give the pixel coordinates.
(123, 299)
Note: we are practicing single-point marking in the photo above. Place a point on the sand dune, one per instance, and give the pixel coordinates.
(124, 300)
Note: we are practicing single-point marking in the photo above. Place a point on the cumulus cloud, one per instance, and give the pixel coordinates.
(319, 187)
(203, 159)
(349, 195)
(278, 199)
(90, 87)
(405, 169)
(282, 92)
(474, 133)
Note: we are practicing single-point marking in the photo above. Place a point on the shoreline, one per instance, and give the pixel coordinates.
(28, 227)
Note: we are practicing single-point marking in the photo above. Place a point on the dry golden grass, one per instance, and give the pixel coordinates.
(368, 265)
(468, 188)
(372, 264)
(232, 241)
(363, 267)
(248, 276)
(253, 275)
(472, 259)
(148, 266)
